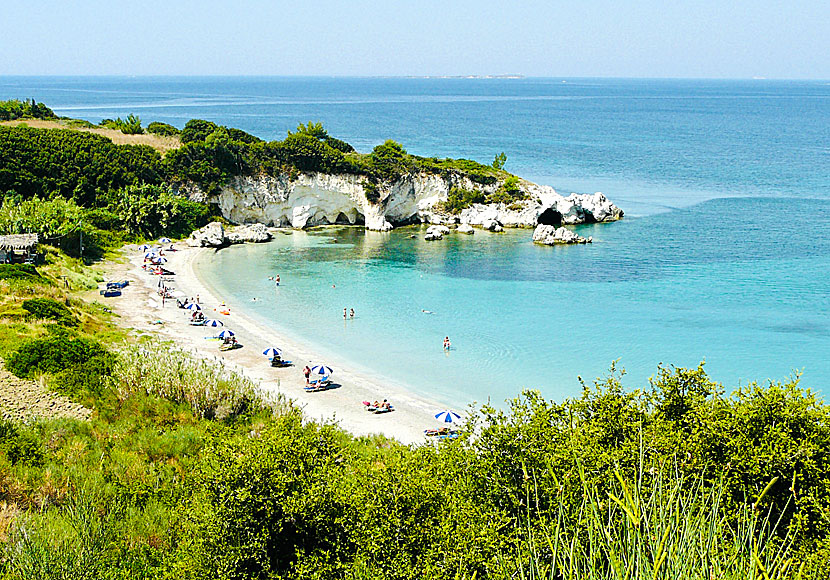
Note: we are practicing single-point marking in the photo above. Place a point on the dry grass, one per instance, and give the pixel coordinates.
(160, 143)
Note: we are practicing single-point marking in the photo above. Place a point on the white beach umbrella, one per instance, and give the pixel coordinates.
(321, 370)
(150, 255)
(143, 248)
(448, 416)
(165, 240)
(226, 334)
(272, 352)
(193, 306)
(213, 323)
(160, 260)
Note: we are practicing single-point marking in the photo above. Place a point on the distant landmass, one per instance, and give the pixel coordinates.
(465, 77)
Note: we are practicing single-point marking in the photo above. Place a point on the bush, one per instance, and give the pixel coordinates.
(57, 352)
(21, 445)
(163, 129)
(508, 193)
(459, 199)
(49, 309)
(16, 109)
(24, 272)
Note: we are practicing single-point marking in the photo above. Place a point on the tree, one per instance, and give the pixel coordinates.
(499, 161)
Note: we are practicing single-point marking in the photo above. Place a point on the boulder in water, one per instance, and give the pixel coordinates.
(551, 235)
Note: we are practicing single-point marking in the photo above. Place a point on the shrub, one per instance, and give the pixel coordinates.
(509, 192)
(28, 109)
(25, 272)
(21, 445)
(157, 128)
(49, 309)
(57, 352)
(459, 199)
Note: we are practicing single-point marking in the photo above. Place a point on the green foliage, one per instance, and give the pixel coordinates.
(20, 445)
(197, 130)
(459, 199)
(157, 128)
(49, 309)
(307, 153)
(27, 109)
(312, 129)
(22, 272)
(71, 164)
(132, 125)
(57, 352)
(499, 161)
(151, 211)
(508, 193)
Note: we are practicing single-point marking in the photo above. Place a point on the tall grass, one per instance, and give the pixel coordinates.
(667, 529)
(211, 390)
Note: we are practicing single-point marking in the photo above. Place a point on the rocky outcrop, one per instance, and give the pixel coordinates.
(210, 236)
(465, 229)
(551, 235)
(311, 199)
(436, 232)
(248, 233)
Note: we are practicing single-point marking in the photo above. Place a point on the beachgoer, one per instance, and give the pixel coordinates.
(344, 314)
(306, 373)
(426, 311)
(447, 343)
(351, 313)
(197, 299)
(277, 279)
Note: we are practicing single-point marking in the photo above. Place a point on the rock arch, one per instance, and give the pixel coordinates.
(549, 217)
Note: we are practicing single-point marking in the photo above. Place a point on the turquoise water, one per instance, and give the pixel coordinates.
(723, 255)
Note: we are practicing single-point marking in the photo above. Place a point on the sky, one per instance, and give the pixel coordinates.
(550, 38)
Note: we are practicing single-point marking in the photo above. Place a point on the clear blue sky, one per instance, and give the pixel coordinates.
(630, 38)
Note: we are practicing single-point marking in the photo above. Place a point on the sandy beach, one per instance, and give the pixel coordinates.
(140, 306)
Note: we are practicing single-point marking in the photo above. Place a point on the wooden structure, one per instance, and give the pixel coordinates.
(18, 248)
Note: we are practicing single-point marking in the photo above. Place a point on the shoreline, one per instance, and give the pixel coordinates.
(341, 404)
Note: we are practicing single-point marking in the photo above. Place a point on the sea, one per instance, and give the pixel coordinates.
(723, 256)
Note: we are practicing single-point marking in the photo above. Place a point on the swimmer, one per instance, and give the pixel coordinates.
(333, 286)
(427, 311)
(344, 314)
(351, 313)
(277, 280)
(447, 343)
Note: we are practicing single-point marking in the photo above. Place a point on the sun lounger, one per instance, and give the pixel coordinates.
(314, 387)
(279, 363)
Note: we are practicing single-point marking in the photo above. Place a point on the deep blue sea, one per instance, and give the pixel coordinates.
(723, 255)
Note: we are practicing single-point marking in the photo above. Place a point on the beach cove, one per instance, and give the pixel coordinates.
(139, 308)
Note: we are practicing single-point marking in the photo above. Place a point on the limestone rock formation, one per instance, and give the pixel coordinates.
(312, 198)
(210, 236)
(436, 232)
(551, 235)
(465, 229)
(248, 233)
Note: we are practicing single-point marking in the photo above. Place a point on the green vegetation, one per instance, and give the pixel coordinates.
(27, 109)
(184, 471)
(132, 126)
(163, 129)
(459, 199)
(49, 309)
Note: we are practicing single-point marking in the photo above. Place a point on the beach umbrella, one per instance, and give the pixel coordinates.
(143, 248)
(321, 370)
(272, 352)
(165, 240)
(160, 260)
(150, 255)
(193, 306)
(448, 416)
(214, 323)
(225, 334)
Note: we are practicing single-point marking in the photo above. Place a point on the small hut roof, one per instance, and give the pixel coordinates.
(18, 242)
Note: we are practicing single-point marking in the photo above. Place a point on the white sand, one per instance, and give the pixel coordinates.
(342, 404)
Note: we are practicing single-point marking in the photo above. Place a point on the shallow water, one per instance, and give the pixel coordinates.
(745, 294)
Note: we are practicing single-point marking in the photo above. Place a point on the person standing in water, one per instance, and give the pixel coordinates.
(277, 280)
(447, 343)
(351, 313)
(344, 314)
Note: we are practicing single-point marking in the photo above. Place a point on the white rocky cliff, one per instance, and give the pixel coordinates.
(317, 199)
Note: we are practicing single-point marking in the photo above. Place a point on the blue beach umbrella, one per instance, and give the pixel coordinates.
(272, 352)
(193, 306)
(448, 416)
(164, 241)
(225, 334)
(160, 260)
(150, 255)
(143, 248)
(321, 370)
(213, 323)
